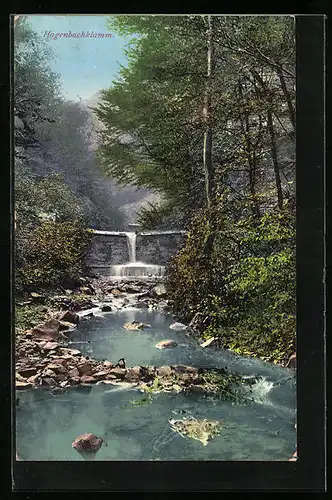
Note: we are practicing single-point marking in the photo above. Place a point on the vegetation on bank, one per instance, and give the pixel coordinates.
(51, 237)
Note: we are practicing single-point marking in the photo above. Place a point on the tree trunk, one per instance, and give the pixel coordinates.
(288, 97)
(207, 111)
(251, 158)
(273, 142)
(275, 158)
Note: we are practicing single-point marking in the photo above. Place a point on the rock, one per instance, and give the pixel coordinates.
(70, 352)
(101, 375)
(86, 290)
(59, 361)
(115, 291)
(34, 379)
(106, 308)
(160, 290)
(185, 369)
(87, 379)
(57, 368)
(107, 364)
(22, 385)
(198, 322)
(133, 374)
(118, 372)
(48, 381)
(37, 297)
(65, 326)
(70, 317)
(27, 372)
(131, 289)
(178, 327)
(74, 373)
(84, 368)
(208, 342)
(292, 361)
(135, 325)
(164, 344)
(50, 330)
(294, 457)
(87, 443)
(164, 371)
(50, 346)
(49, 373)
(196, 389)
(60, 377)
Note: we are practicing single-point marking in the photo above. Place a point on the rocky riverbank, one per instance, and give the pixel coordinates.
(44, 358)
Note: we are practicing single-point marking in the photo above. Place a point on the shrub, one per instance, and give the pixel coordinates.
(245, 286)
(54, 255)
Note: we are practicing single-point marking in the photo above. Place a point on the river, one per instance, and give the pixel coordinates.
(47, 423)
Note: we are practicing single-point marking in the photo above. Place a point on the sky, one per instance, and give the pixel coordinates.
(86, 65)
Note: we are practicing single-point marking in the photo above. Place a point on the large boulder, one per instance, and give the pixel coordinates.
(133, 374)
(118, 372)
(49, 331)
(84, 368)
(69, 317)
(87, 444)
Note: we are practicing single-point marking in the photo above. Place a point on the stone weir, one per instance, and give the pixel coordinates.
(133, 254)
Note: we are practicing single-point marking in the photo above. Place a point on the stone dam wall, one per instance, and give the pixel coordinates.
(151, 248)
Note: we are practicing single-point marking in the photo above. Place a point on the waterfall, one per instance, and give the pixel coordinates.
(131, 240)
(134, 268)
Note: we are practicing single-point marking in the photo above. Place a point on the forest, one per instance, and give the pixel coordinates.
(203, 115)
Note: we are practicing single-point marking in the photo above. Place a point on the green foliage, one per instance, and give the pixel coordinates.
(50, 235)
(246, 294)
(54, 255)
(29, 316)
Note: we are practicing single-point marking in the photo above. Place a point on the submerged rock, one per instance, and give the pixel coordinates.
(135, 325)
(165, 344)
(201, 430)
